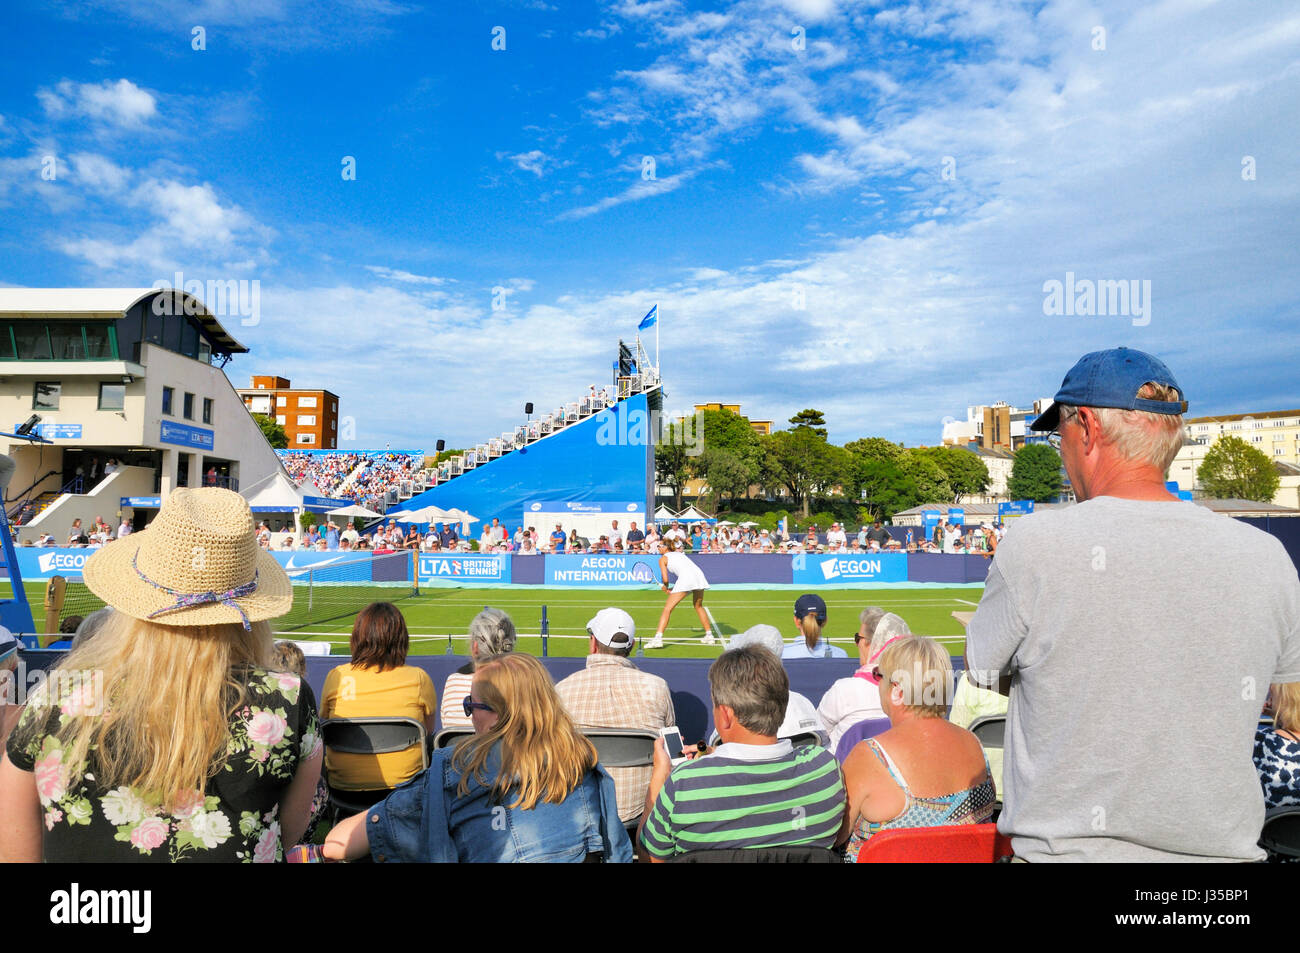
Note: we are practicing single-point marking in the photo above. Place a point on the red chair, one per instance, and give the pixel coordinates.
(949, 844)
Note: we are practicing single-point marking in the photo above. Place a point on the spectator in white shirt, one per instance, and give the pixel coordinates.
(836, 535)
(125, 528)
(614, 534)
(857, 698)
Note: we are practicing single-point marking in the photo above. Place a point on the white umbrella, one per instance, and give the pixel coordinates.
(747, 524)
(430, 514)
(461, 516)
(353, 510)
(725, 523)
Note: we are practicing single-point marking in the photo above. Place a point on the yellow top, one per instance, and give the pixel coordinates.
(352, 692)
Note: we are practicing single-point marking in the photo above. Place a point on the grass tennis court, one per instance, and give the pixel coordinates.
(437, 613)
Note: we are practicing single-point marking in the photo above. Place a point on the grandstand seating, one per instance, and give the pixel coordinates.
(949, 844)
(379, 479)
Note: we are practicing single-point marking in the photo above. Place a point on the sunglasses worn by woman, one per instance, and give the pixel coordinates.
(525, 787)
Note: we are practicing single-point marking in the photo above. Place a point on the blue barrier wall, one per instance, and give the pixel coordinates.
(601, 458)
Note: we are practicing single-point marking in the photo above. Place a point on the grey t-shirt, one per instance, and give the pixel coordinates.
(1143, 636)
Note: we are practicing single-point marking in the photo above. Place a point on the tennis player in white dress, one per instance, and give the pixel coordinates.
(690, 579)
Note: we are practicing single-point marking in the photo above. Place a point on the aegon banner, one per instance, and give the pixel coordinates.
(597, 570)
(823, 570)
(459, 569)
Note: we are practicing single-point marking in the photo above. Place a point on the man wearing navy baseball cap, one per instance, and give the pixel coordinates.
(1133, 706)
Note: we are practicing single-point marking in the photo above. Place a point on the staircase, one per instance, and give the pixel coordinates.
(30, 509)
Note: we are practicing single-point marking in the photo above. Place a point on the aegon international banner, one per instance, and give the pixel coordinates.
(595, 570)
(43, 563)
(821, 570)
(459, 569)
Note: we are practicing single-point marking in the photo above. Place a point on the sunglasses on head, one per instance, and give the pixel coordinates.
(469, 705)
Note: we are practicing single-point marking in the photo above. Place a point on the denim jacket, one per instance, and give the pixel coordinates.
(426, 821)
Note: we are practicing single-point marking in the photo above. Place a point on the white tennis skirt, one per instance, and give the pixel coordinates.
(689, 576)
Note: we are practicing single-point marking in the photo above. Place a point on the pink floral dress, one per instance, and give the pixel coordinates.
(233, 819)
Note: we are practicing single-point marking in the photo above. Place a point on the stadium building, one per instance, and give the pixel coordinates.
(127, 380)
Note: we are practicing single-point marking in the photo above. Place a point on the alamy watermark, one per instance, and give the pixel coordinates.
(75, 691)
(231, 298)
(1105, 296)
(639, 428)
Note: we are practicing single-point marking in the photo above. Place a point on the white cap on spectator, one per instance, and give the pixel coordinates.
(767, 636)
(608, 624)
(801, 718)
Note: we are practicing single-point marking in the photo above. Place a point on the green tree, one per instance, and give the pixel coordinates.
(883, 488)
(931, 481)
(801, 461)
(728, 474)
(875, 448)
(966, 473)
(272, 431)
(672, 464)
(1035, 474)
(1234, 470)
(723, 430)
(810, 419)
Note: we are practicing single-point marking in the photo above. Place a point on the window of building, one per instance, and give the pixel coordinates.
(167, 399)
(1258, 424)
(334, 407)
(279, 419)
(32, 341)
(334, 425)
(112, 397)
(306, 420)
(189, 340)
(1257, 439)
(259, 404)
(45, 395)
(66, 341)
(205, 351)
(306, 401)
(207, 410)
(281, 400)
(188, 412)
(1278, 451)
(306, 438)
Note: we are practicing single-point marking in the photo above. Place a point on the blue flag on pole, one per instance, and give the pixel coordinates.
(650, 318)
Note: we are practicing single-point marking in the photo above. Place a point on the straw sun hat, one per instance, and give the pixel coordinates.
(197, 563)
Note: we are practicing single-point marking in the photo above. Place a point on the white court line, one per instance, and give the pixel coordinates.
(968, 602)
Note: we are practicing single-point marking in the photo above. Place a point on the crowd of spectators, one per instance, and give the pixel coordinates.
(379, 475)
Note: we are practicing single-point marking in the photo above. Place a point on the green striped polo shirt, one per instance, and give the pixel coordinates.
(748, 796)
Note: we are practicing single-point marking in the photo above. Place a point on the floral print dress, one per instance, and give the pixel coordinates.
(234, 819)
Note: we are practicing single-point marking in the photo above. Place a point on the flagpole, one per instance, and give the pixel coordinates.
(658, 318)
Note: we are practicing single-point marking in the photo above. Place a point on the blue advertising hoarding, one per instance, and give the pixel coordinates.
(184, 435)
(956, 516)
(929, 520)
(460, 569)
(601, 570)
(845, 568)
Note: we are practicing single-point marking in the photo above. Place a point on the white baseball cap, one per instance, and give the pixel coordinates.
(607, 624)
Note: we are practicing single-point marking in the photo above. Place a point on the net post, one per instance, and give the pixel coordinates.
(415, 570)
(546, 630)
(55, 590)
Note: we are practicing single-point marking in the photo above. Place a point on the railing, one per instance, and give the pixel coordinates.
(228, 482)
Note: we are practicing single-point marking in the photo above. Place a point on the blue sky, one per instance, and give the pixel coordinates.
(912, 173)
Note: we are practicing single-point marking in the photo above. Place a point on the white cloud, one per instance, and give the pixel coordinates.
(98, 172)
(120, 103)
(405, 277)
(642, 189)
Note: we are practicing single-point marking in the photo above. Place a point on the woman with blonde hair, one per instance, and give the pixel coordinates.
(168, 736)
(1277, 750)
(924, 771)
(809, 618)
(524, 788)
